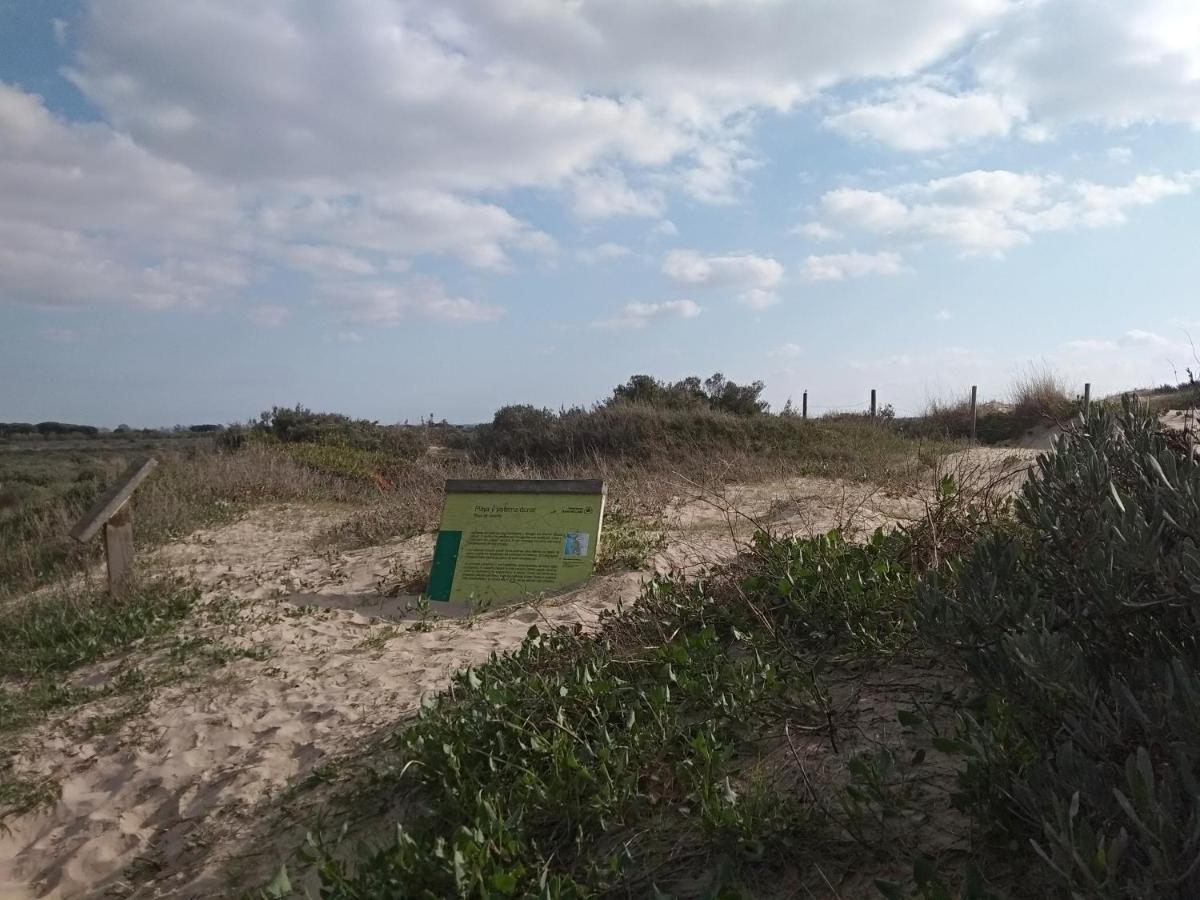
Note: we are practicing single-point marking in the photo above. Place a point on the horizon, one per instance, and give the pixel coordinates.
(406, 208)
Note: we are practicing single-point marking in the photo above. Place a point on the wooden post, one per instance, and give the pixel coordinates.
(1087, 401)
(118, 548)
(872, 404)
(113, 512)
(804, 406)
(974, 398)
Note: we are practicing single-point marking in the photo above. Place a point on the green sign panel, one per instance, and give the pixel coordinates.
(502, 539)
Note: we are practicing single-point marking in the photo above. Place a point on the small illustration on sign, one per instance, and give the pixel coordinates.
(576, 545)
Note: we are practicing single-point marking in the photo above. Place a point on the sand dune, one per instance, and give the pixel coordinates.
(162, 807)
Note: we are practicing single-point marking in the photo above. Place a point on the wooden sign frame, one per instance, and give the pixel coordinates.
(113, 512)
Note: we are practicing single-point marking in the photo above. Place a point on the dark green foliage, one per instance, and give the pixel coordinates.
(826, 592)
(1082, 635)
(299, 425)
(59, 631)
(58, 428)
(656, 434)
(715, 392)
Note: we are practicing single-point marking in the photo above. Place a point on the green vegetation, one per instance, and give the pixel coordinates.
(50, 636)
(715, 392)
(639, 439)
(992, 703)
(1084, 646)
(75, 649)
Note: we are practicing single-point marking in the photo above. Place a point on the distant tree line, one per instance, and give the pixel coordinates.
(45, 428)
(65, 429)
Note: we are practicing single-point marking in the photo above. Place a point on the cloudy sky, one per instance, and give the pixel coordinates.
(401, 207)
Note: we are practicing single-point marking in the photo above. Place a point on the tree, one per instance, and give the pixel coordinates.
(715, 392)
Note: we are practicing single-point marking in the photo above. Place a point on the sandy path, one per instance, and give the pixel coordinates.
(158, 808)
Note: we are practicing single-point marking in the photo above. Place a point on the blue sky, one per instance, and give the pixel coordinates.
(394, 209)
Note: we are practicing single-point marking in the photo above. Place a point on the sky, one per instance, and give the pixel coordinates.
(403, 208)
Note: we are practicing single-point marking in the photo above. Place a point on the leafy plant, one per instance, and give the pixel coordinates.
(1082, 636)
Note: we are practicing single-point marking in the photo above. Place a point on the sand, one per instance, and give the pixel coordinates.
(161, 807)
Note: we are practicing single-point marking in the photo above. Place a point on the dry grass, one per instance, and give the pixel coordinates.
(1039, 394)
(643, 453)
(187, 491)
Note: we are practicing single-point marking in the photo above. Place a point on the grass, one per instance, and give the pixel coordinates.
(1038, 396)
(71, 648)
(641, 451)
(1041, 395)
(190, 489)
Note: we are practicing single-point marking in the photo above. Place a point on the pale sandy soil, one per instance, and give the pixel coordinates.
(162, 806)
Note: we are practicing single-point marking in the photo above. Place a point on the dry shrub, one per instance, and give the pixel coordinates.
(1040, 395)
(189, 490)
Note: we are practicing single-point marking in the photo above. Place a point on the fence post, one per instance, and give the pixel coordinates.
(1087, 401)
(118, 548)
(974, 398)
(872, 404)
(804, 406)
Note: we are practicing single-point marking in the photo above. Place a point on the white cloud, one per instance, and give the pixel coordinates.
(840, 266)
(741, 270)
(404, 223)
(786, 351)
(1143, 338)
(990, 212)
(758, 298)
(268, 315)
(638, 315)
(816, 231)
(90, 217)
(1100, 61)
(464, 96)
(1045, 66)
(61, 28)
(606, 194)
(601, 253)
(349, 337)
(858, 208)
(754, 277)
(350, 141)
(919, 117)
(664, 228)
(1119, 154)
(325, 259)
(943, 315)
(387, 303)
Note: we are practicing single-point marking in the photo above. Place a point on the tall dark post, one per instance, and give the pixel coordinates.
(974, 399)
(872, 404)
(804, 406)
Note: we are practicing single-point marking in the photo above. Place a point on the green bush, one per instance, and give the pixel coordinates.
(1081, 632)
(299, 425)
(715, 392)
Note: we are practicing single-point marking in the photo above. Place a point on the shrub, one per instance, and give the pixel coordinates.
(1038, 395)
(299, 425)
(1081, 631)
(715, 392)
